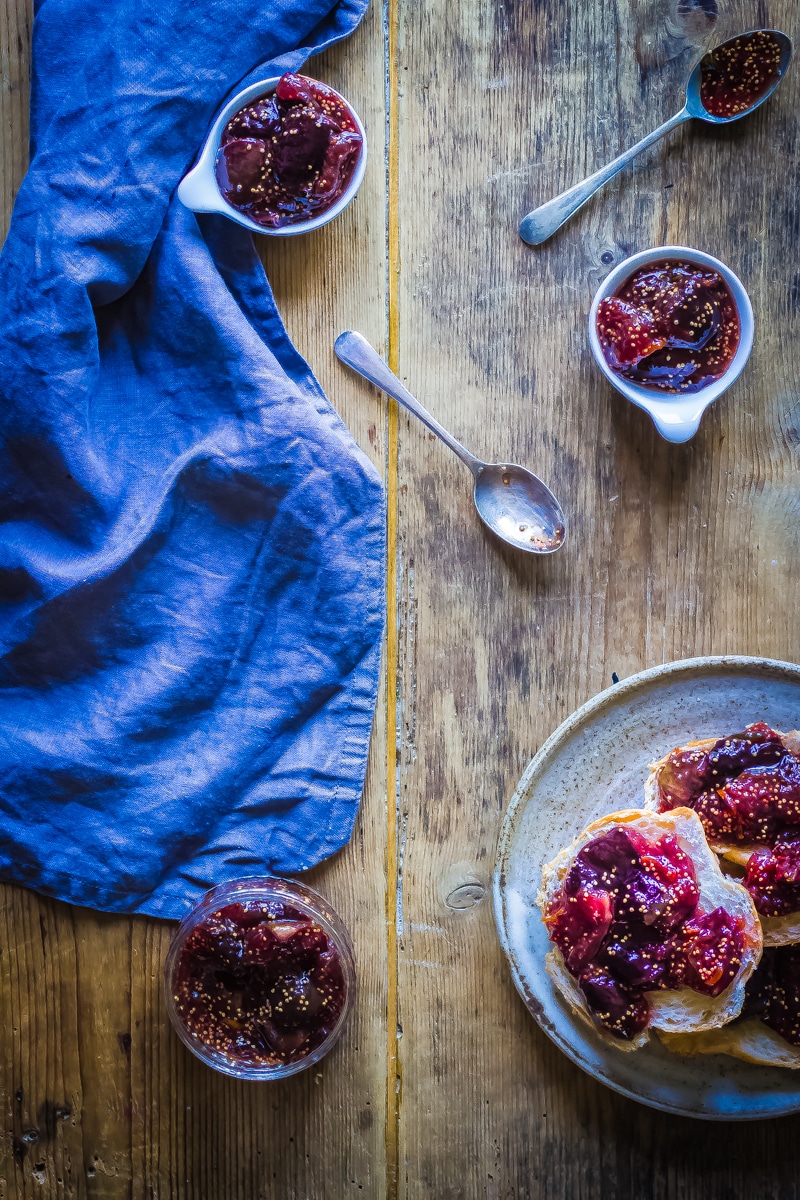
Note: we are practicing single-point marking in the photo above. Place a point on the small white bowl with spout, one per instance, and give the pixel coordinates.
(200, 191)
(676, 416)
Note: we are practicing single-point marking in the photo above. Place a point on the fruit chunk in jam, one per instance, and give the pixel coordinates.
(773, 991)
(628, 335)
(626, 921)
(773, 876)
(290, 155)
(260, 982)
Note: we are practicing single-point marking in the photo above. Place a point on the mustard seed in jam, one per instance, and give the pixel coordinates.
(772, 993)
(745, 790)
(259, 982)
(627, 921)
(673, 327)
(289, 155)
(736, 75)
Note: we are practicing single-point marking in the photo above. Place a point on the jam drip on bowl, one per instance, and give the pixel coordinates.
(259, 982)
(673, 327)
(773, 992)
(735, 76)
(627, 922)
(289, 155)
(746, 790)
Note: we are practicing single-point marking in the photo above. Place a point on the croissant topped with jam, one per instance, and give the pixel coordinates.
(745, 788)
(647, 932)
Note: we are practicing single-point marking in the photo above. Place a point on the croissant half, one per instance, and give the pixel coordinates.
(674, 1011)
(777, 930)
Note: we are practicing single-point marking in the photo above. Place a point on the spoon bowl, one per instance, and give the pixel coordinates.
(519, 508)
(694, 103)
(511, 501)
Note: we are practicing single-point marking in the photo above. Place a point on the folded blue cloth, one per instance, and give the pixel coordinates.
(192, 545)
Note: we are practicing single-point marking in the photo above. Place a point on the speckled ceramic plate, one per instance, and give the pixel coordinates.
(596, 762)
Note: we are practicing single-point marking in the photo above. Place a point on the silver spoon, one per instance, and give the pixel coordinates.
(542, 223)
(511, 501)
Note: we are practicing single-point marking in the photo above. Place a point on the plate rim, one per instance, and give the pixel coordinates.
(614, 693)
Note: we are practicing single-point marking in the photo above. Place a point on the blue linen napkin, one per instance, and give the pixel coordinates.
(191, 544)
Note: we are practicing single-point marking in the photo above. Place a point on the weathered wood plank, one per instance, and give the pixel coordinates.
(98, 1097)
(16, 22)
(673, 551)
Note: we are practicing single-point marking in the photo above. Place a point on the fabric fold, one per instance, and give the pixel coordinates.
(191, 543)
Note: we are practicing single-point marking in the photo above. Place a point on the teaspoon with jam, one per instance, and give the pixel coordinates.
(728, 83)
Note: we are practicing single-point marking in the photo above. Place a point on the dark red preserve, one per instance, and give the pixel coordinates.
(735, 76)
(258, 983)
(773, 992)
(745, 790)
(672, 326)
(627, 921)
(289, 155)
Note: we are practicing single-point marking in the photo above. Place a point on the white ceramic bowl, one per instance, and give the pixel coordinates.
(199, 190)
(676, 417)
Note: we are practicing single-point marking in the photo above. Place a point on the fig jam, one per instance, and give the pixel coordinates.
(289, 155)
(627, 922)
(259, 982)
(773, 992)
(745, 790)
(773, 876)
(673, 327)
(736, 75)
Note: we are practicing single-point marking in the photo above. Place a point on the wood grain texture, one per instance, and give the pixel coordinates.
(98, 1097)
(443, 1086)
(672, 551)
(16, 22)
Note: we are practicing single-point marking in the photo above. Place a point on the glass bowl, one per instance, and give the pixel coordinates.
(249, 976)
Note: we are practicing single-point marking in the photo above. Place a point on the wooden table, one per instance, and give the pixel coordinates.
(444, 1086)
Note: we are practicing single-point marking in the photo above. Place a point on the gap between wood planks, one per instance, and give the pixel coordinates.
(393, 1070)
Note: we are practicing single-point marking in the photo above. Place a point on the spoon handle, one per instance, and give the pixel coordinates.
(355, 351)
(542, 223)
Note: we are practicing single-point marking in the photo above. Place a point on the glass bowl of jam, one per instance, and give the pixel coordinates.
(284, 156)
(671, 329)
(259, 978)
